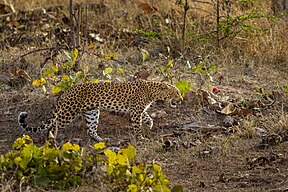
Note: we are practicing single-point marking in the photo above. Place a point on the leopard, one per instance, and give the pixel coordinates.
(132, 97)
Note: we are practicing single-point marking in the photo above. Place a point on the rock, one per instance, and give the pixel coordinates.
(260, 131)
(228, 121)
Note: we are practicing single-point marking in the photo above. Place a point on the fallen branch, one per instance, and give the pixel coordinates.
(30, 52)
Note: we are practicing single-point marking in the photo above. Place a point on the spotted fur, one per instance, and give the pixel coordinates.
(89, 98)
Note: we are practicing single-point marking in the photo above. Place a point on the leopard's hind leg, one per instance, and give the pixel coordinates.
(62, 118)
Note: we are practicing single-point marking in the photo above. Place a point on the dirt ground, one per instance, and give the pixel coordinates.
(207, 158)
(198, 145)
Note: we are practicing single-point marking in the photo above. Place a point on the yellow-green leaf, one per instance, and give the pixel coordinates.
(79, 74)
(86, 70)
(112, 157)
(74, 55)
(108, 70)
(36, 82)
(55, 89)
(20, 142)
(48, 72)
(145, 54)
(18, 160)
(65, 78)
(129, 152)
(111, 56)
(122, 160)
(39, 82)
(170, 64)
(22, 162)
(70, 146)
(95, 80)
(120, 70)
(183, 87)
(100, 146)
(54, 68)
(166, 182)
(136, 170)
(157, 169)
(112, 160)
(132, 188)
(161, 188)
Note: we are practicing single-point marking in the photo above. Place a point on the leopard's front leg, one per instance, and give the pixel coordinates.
(147, 120)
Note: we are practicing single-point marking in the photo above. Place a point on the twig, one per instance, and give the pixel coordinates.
(186, 8)
(56, 47)
(72, 33)
(79, 20)
(33, 51)
(77, 36)
(217, 21)
(84, 46)
(6, 15)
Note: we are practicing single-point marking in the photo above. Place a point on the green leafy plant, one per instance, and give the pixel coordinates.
(136, 177)
(67, 166)
(61, 168)
(166, 71)
(205, 72)
(234, 25)
(201, 69)
(183, 87)
(231, 26)
(63, 76)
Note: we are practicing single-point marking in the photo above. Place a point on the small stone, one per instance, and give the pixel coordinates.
(228, 121)
(260, 131)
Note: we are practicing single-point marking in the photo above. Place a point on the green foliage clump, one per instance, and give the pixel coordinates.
(69, 165)
(62, 76)
(134, 178)
(183, 87)
(45, 165)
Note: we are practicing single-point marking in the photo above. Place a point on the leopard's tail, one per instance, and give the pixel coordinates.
(22, 122)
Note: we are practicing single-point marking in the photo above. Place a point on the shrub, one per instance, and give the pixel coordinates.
(68, 165)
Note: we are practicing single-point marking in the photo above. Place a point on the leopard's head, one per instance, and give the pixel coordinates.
(171, 93)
